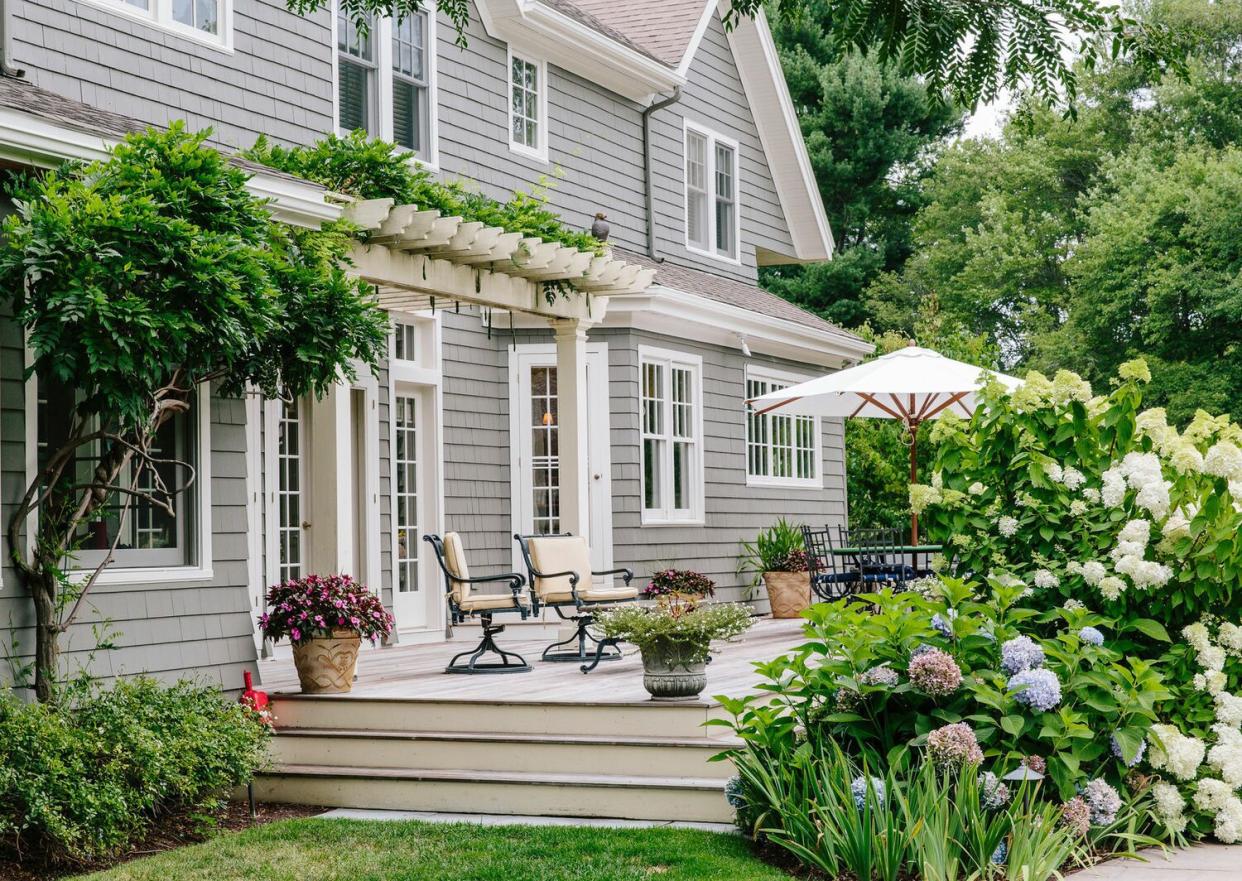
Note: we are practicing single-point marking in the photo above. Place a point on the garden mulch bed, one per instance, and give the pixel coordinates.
(172, 833)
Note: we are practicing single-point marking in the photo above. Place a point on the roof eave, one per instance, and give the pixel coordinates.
(573, 46)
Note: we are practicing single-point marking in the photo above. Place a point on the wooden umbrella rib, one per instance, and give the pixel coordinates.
(954, 399)
(870, 398)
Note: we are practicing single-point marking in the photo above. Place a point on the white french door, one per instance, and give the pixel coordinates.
(534, 441)
(415, 588)
(285, 490)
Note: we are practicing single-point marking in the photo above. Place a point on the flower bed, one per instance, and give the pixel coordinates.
(1088, 636)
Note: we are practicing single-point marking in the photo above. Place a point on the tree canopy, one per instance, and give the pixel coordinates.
(968, 51)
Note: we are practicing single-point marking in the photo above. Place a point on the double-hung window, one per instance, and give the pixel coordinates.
(356, 73)
(386, 80)
(781, 449)
(672, 436)
(711, 178)
(206, 21)
(528, 106)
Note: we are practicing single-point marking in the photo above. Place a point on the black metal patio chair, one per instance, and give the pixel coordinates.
(880, 559)
(465, 602)
(560, 573)
(831, 578)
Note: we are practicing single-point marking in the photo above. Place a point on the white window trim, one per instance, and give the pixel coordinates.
(693, 516)
(769, 374)
(159, 16)
(382, 34)
(713, 138)
(540, 151)
(199, 571)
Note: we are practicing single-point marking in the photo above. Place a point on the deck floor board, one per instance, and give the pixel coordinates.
(417, 671)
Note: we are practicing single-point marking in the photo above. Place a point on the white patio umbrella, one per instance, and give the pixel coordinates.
(911, 385)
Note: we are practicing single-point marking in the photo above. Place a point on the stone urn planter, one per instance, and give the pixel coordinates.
(789, 593)
(326, 664)
(674, 671)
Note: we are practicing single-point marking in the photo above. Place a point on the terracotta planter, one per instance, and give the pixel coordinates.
(326, 664)
(668, 674)
(788, 592)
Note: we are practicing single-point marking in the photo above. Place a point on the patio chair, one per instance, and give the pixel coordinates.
(831, 579)
(560, 573)
(465, 602)
(880, 560)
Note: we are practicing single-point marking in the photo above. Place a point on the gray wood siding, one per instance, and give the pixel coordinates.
(477, 472)
(198, 629)
(595, 147)
(276, 81)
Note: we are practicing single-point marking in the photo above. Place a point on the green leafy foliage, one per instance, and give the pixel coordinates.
(678, 623)
(779, 548)
(369, 168)
(83, 780)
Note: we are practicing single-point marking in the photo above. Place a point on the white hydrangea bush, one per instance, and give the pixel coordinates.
(1090, 497)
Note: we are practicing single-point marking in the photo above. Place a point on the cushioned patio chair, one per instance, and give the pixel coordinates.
(465, 602)
(560, 573)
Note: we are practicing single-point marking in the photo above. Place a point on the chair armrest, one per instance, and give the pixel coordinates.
(516, 580)
(627, 575)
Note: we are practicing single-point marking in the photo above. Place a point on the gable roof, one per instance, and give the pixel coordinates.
(664, 28)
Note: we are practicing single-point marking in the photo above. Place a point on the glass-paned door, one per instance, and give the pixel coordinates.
(536, 418)
(415, 580)
(406, 490)
(290, 491)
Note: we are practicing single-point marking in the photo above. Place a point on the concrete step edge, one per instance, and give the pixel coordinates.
(483, 778)
(641, 740)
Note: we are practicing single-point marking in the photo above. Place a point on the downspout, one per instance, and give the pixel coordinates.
(5, 69)
(648, 185)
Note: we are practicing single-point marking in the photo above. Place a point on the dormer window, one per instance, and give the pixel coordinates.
(712, 216)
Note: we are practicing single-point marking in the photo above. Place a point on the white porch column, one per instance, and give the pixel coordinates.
(330, 539)
(571, 392)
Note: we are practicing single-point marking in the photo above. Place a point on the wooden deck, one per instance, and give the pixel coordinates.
(416, 672)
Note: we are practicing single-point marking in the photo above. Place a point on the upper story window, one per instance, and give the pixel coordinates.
(386, 80)
(528, 106)
(672, 434)
(410, 83)
(206, 21)
(711, 178)
(355, 73)
(781, 449)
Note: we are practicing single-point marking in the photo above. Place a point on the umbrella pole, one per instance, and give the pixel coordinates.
(913, 427)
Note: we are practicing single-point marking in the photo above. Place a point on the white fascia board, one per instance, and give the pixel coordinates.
(692, 48)
(540, 30)
(677, 313)
(32, 140)
(759, 67)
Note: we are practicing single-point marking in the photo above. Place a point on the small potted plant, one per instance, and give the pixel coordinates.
(675, 637)
(778, 558)
(682, 581)
(325, 618)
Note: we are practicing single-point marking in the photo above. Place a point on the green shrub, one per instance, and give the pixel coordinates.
(81, 780)
(779, 548)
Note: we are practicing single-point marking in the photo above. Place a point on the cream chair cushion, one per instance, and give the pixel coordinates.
(620, 593)
(455, 560)
(480, 602)
(560, 553)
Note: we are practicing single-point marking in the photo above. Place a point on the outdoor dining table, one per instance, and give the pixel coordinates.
(912, 550)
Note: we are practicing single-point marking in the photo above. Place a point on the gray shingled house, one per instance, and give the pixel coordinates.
(619, 415)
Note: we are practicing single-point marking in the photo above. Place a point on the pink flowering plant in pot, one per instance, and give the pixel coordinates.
(683, 582)
(325, 617)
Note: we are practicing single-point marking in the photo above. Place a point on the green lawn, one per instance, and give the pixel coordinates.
(350, 850)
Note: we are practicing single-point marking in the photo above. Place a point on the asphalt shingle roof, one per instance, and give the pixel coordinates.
(660, 28)
(733, 292)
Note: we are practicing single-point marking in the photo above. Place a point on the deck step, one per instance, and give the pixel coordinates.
(499, 792)
(634, 755)
(497, 717)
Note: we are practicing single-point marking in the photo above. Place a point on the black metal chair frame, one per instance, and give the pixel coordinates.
(584, 610)
(881, 563)
(830, 579)
(487, 645)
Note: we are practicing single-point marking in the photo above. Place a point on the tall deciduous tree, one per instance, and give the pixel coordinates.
(138, 279)
(871, 134)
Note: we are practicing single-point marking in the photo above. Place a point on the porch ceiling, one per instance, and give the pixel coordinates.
(414, 256)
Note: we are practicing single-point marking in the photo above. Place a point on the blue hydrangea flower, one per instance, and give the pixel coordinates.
(733, 792)
(993, 792)
(922, 650)
(1038, 688)
(1091, 636)
(1103, 800)
(1001, 855)
(1021, 653)
(943, 625)
(1138, 756)
(858, 789)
